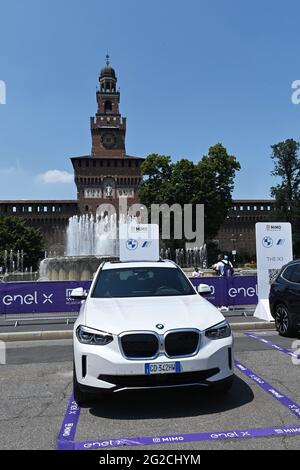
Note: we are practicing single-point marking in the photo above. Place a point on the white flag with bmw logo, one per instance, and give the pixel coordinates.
(273, 250)
(139, 242)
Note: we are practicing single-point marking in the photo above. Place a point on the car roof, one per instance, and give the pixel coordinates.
(139, 264)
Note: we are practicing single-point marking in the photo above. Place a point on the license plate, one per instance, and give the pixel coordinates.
(162, 368)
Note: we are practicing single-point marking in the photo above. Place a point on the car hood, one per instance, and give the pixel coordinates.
(130, 314)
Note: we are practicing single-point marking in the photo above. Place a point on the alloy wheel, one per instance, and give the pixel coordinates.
(282, 319)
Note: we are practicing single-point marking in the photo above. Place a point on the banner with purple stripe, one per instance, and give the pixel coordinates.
(55, 296)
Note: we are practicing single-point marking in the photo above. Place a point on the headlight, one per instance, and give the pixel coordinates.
(88, 335)
(219, 331)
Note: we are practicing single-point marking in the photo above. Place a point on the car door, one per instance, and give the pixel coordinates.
(292, 289)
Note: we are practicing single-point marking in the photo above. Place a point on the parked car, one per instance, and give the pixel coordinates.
(144, 325)
(284, 299)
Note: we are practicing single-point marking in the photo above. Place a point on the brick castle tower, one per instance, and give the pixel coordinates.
(108, 173)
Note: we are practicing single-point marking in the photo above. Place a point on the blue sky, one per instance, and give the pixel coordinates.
(191, 74)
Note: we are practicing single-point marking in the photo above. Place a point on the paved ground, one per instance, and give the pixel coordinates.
(35, 386)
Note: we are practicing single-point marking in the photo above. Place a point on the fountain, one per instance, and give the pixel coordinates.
(90, 240)
(89, 235)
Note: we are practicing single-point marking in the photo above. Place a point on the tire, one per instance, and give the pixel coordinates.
(79, 396)
(283, 321)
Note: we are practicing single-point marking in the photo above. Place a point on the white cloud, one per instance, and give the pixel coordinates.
(55, 176)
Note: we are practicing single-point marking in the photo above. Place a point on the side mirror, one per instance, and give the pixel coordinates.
(204, 289)
(78, 294)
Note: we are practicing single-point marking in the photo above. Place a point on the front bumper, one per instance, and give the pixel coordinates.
(105, 368)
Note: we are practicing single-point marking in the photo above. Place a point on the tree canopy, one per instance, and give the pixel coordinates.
(285, 156)
(209, 181)
(16, 235)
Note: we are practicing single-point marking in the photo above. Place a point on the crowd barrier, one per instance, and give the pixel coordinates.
(54, 296)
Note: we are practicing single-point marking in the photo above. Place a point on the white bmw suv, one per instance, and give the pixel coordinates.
(144, 325)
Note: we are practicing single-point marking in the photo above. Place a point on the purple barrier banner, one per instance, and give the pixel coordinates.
(235, 290)
(39, 297)
(54, 296)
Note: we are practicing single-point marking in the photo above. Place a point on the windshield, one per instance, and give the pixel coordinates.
(141, 282)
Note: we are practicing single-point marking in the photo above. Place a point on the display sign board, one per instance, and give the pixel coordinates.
(139, 242)
(273, 250)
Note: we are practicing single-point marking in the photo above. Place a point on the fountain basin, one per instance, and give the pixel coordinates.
(71, 268)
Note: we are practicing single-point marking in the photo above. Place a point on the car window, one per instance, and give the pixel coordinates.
(141, 282)
(295, 275)
(292, 273)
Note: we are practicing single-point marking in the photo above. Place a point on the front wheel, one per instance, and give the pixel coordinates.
(283, 321)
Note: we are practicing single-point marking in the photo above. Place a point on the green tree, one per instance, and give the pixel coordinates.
(215, 183)
(157, 186)
(15, 235)
(209, 182)
(285, 156)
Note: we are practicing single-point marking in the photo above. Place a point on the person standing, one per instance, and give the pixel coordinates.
(227, 267)
(223, 266)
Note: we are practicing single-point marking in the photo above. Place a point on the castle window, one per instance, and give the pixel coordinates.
(94, 163)
(108, 162)
(241, 208)
(255, 208)
(261, 208)
(107, 106)
(123, 163)
(29, 209)
(129, 162)
(79, 163)
(86, 208)
(268, 208)
(14, 209)
(87, 163)
(136, 163)
(53, 208)
(101, 162)
(116, 162)
(45, 209)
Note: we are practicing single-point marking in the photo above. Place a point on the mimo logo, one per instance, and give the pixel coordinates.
(2, 92)
(296, 350)
(2, 352)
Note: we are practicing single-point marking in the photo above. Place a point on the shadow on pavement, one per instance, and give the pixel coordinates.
(162, 404)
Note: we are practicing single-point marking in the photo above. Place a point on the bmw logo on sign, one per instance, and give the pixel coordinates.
(131, 244)
(267, 242)
(159, 326)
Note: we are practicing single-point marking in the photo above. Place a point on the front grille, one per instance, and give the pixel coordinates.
(159, 380)
(139, 345)
(181, 343)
